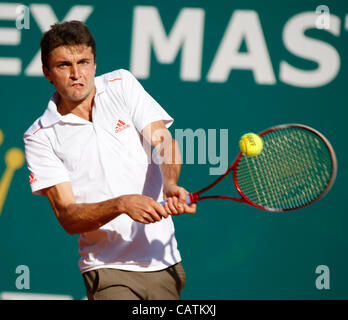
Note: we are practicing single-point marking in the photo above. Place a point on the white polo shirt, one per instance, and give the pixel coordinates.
(103, 159)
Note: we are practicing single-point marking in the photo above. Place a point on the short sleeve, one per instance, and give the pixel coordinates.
(46, 169)
(143, 108)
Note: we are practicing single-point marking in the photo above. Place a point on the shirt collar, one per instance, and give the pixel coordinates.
(100, 84)
(52, 116)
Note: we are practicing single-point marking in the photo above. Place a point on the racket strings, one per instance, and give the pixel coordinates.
(293, 173)
(292, 170)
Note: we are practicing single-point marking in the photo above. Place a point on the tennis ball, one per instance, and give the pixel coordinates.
(251, 144)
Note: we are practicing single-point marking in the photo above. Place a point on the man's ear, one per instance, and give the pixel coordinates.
(46, 73)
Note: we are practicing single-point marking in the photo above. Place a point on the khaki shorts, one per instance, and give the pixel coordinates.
(115, 284)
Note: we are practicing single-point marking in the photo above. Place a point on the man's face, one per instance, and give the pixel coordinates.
(72, 71)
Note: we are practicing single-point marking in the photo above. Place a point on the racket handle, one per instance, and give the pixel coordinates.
(188, 200)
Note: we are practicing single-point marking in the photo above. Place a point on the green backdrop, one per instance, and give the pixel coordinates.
(230, 250)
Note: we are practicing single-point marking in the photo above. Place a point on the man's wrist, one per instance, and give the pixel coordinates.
(119, 205)
(169, 184)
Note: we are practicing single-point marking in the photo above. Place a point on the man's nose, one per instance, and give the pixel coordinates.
(75, 72)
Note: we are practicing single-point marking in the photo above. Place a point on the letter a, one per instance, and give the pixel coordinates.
(322, 281)
(23, 281)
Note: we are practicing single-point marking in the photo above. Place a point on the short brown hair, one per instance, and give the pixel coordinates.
(68, 33)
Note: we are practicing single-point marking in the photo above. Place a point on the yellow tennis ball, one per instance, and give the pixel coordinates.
(251, 144)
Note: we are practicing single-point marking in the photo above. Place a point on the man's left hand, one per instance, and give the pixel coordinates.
(176, 203)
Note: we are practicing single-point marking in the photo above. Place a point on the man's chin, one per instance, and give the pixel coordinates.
(75, 98)
(76, 95)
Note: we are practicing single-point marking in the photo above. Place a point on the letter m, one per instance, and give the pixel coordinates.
(186, 34)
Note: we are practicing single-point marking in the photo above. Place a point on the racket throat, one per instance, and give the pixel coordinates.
(193, 197)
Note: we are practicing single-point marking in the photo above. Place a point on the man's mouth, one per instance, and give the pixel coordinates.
(77, 85)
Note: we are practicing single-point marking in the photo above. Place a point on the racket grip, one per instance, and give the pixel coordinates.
(188, 200)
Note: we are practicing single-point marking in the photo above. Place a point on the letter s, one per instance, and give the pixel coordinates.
(319, 51)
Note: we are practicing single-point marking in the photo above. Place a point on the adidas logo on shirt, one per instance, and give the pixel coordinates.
(121, 126)
(32, 179)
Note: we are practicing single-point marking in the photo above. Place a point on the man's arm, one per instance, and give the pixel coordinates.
(84, 217)
(168, 151)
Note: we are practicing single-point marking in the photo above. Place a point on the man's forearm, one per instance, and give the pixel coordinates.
(170, 164)
(86, 217)
(170, 169)
(170, 174)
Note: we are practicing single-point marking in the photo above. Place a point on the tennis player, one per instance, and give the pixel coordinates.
(103, 156)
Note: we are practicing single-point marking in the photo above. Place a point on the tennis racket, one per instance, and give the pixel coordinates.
(296, 168)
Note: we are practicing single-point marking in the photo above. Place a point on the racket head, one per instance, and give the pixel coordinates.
(296, 168)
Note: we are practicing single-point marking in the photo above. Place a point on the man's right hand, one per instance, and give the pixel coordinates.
(142, 208)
